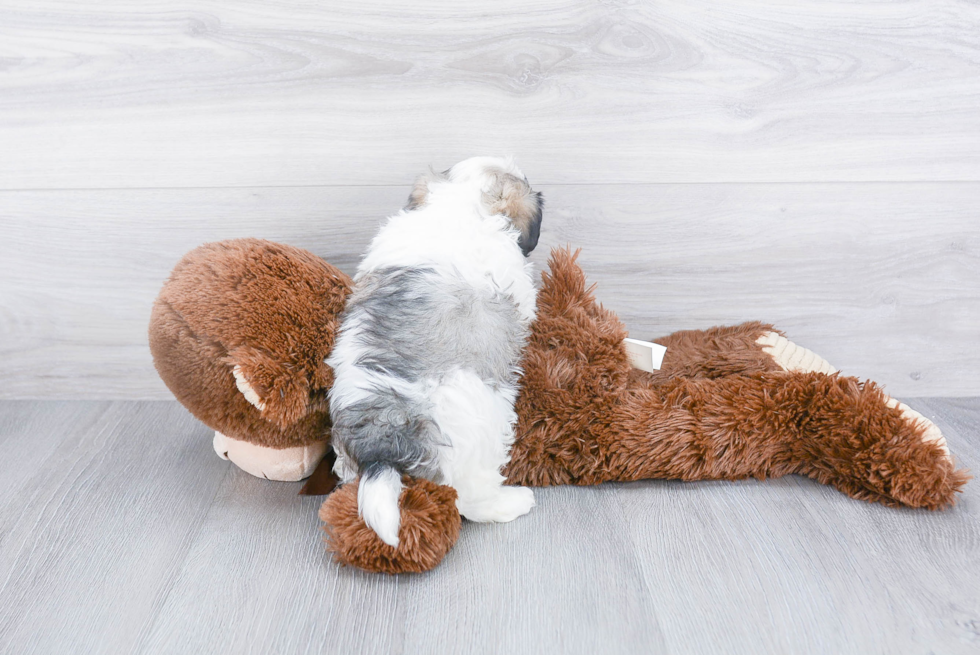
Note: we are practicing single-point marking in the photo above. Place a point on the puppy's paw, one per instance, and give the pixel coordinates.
(791, 357)
(513, 502)
(505, 505)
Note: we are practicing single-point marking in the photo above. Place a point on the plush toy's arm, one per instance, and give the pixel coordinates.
(742, 349)
(429, 527)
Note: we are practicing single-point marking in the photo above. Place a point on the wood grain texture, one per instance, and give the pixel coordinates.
(220, 93)
(859, 580)
(814, 164)
(881, 279)
(101, 502)
(123, 532)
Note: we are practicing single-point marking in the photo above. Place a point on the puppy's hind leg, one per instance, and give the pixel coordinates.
(502, 505)
(478, 422)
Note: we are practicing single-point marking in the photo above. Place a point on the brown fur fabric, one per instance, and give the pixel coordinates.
(430, 525)
(720, 408)
(712, 353)
(268, 308)
(832, 428)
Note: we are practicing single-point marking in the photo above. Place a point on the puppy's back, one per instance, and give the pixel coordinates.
(404, 330)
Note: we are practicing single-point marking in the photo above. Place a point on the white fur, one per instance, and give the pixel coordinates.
(454, 234)
(377, 502)
(479, 422)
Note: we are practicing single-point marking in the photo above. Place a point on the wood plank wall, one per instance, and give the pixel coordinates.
(813, 164)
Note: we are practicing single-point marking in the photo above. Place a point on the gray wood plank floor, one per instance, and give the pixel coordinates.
(121, 532)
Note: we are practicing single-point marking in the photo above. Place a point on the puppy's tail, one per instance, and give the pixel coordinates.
(377, 500)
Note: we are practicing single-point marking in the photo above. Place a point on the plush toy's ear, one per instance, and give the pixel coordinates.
(282, 395)
(513, 197)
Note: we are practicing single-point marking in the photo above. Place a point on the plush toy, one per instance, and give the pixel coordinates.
(239, 334)
(240, 331)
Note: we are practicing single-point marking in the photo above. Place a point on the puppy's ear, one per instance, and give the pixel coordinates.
(419, 192)
(421, 189)
(513, 197)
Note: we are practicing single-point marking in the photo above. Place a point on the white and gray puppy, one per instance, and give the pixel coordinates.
(426, 361)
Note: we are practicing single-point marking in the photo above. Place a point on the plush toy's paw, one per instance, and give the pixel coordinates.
(873, 447)
(429, 527)
(280, 464)
(506, 504)
(791, 357)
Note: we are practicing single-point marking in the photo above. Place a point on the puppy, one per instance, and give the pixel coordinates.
(426, 361)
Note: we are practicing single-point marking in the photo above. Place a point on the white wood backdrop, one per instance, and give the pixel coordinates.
(813, 164)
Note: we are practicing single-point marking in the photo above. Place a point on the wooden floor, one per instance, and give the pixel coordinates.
(814, 164)
(122, 532)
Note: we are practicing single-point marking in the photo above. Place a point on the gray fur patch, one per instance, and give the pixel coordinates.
(416, 325)
(388, 429)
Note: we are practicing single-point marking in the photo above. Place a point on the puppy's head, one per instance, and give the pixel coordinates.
(498, 186)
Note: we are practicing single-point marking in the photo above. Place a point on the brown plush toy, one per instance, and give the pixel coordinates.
(728, 403)
(239, 334)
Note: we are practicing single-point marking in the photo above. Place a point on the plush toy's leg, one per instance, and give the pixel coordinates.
(834, 429)
(281, 464)
(751, 348)
(791, 357)
(731, 403)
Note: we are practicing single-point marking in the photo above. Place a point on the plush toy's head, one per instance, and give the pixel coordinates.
(251, 369)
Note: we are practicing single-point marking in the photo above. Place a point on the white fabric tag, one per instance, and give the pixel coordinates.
(644, 355)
